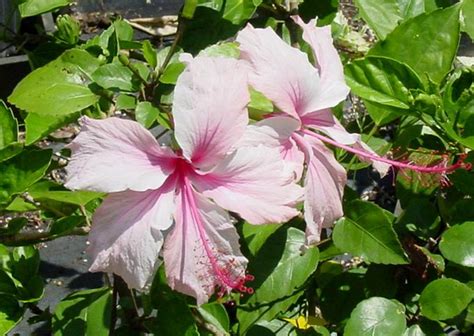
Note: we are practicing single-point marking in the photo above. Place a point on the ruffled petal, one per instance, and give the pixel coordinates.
(126, 233)
(276, 132)
(210, 108)
(202, 252)
(333, 87)
(282, 73)
(115, 155)
(253, 182)
(324, 188)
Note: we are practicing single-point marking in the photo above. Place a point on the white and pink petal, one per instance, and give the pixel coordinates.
(210, 108)
(114, 155)
(126, 235)
(202, 252)
(282, 73)
(333, 86)
(324, 188)
(255, 183)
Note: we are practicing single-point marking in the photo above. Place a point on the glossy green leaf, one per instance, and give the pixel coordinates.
(39, 126)
(7, 285)
(116, 76)
(367, 232)
(10, 313)
(468, 17)
(457, 244)
(410, 8)
(86, 312)
(189, 8)
(324, 10)
(377, 316)
(35, 7)
(65, 224)
(419, 43)
(255, 236)
(420, 218)
(68, 29)
(14, 226)
(21, 171)
(8, 126)
(381, 16)
(125, 102)
(444, 298)
(10, 151)
(206, 28)
(25, 264)
(66, 77)
(341, 294)
(225, 49)
(172, 72)
(277, 281)
(382, 80)
(150, 54)
(174, 316)
(238, 11)
(215, 314)
(146, 114)
(65, 196)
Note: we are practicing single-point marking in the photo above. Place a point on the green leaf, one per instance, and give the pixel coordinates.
(367, 232)
(272, 328)
(35, 7)
(411, 8)
(324, 10)
(26, 263)
(255, 236)
(10, 151)
(468, 17)
(420, 218)
(174, 316)
(10, 313)
(215, 314)
(68, 29)
(382, 80)
(277, 285)
(427, 43)
(125, 102)
(8, 126)
(66, 196)
(238, 11)
(225, 49)
(65, 224)
(146, 114)
(377, 316)
(444, 298)
(39, 126)
(86, 312)
(150, 54)
(172, 72)
(381, 16)
(341, 295)
(206, 28)
(21, 171)
(116, 76)
(189, 8)
(66, 77)
(14, 226)
(457, 244)
(7, 286)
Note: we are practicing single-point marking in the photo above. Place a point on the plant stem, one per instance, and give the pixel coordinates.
(27, 238)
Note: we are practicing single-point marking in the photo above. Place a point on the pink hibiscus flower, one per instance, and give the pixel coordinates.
(304, 94)
(172, 202)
